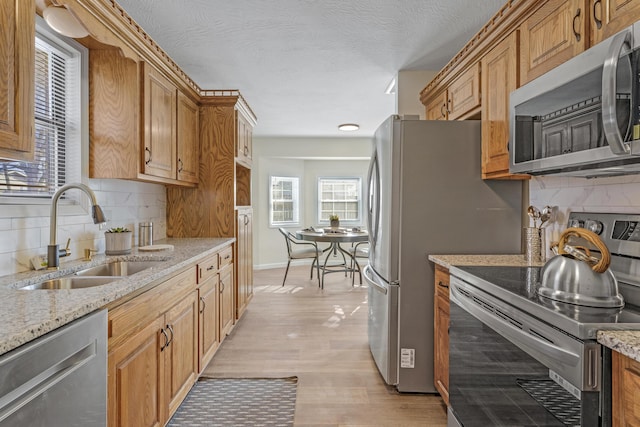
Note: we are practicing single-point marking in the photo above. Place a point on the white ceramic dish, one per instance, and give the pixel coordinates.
(155, 248)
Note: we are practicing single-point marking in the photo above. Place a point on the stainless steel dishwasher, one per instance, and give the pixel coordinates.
(59, 379)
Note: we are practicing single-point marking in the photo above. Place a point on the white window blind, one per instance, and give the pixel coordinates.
(57, 100)
(339, 196)
(284, 195)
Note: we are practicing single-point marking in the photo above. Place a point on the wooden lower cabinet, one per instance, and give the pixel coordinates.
(227, 306)
(181, 353)
(625, 390)
(136, 379)
(209, 324)
(441, 333)
(244, 259)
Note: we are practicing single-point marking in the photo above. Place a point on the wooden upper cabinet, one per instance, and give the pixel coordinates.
(141, 126)
(553, 34)
(188, 139)
(610, 16)
(437, 107)
(499, 78)
(159, 124)
(244, 137)
(17, 58)
(463, 94)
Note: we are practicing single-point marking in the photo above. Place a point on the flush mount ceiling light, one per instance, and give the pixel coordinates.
(348, 127)
(63, 22)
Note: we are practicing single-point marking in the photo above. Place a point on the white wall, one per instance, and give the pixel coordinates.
(566, 194)
(409, 83)
(307, 158)
(24, 229)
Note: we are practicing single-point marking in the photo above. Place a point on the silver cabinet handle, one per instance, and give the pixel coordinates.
(204, 304)
(221, 286)
(609, 83)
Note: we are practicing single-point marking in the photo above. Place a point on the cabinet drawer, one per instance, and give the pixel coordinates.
(442, 282)
(226, 257)
(136, 313)
(208, 267)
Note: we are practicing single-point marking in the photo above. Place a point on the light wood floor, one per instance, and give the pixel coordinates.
(320, 336)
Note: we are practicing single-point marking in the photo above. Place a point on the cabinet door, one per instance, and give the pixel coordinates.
(625, 390)
(499, 78)
(244, 260)
(244, 144)
(159, 125)
(209, 324)
(17, 58)
(188, 140)
(136, 381)
(463, 95)
(553, 34)
(441, 333)
(610, 16)
(181, 358)
(437, 107)
(227, 307)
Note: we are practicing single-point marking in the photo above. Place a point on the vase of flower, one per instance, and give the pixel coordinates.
(117, 241)
(334, 220)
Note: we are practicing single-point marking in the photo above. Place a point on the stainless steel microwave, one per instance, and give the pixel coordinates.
(581, 118)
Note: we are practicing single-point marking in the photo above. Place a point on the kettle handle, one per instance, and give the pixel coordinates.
(605, 259)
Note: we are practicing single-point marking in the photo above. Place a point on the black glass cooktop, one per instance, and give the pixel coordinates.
(518, 286)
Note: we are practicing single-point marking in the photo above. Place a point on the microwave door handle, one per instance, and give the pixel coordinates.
(609, 84)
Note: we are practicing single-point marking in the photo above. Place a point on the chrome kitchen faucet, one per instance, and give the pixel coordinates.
(53, 250)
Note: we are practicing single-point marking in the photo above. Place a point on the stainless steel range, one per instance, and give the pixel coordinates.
(518, 358)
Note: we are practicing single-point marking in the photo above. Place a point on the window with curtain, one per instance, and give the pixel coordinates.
(284, 201)
(57, 123)
(340, 196)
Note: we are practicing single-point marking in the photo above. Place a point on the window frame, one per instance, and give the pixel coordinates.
(31, 206)
(296, 180)
(319, 201)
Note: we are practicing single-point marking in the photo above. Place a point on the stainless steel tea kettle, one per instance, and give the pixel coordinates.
(574, 276)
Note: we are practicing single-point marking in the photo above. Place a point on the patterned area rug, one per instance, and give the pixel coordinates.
(238, 402)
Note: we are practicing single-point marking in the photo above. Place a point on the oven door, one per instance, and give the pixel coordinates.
(493, 382)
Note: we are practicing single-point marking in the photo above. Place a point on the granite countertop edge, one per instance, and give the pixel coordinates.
(29, 314)
(625, 342)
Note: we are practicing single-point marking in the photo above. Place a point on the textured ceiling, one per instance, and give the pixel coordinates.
(305, 66)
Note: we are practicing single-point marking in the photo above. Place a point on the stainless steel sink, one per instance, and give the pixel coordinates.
(73, 282)
(117, 268)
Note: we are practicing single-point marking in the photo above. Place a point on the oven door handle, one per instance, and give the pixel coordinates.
(526, 341)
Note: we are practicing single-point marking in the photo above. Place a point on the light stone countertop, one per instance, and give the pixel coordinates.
(28, 314)
(625, 342)
(516, 260)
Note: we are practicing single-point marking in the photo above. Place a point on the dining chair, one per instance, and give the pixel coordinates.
(359, 250)
(301, 250)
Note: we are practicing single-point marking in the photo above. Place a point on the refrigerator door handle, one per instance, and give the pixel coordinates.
(373, 217)
(371, 281)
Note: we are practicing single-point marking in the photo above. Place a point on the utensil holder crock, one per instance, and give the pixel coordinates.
(534, 244)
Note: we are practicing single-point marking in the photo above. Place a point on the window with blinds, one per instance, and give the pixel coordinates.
(339, 196)
(284, 200)
(57, 80)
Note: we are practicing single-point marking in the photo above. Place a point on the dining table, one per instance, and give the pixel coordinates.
(335, 237)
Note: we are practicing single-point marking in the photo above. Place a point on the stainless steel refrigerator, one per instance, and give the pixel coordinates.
(426, 196)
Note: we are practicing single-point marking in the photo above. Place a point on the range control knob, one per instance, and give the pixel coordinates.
(576, 223)
(593, 225)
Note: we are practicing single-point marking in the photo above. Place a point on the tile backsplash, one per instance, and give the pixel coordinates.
(24, 230)
(568, 194)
